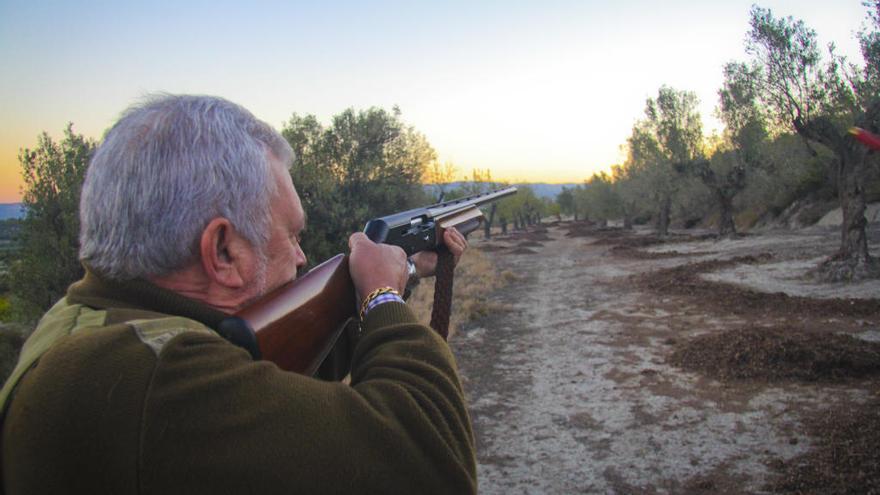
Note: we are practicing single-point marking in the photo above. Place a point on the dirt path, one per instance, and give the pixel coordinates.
(570, 390)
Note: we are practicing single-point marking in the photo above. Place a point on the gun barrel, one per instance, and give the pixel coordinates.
(415, 230)
(475, 200)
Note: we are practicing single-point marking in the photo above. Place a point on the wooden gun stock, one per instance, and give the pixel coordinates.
(296, 325)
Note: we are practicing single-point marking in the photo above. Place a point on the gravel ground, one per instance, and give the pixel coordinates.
(572, 390)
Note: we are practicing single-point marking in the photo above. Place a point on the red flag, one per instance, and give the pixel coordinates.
(868, 139)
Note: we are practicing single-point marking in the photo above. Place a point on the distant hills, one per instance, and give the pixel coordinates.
(541, 190)
(548, 190)
(11, 210)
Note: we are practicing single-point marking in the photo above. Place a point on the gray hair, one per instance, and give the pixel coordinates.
(167, 168)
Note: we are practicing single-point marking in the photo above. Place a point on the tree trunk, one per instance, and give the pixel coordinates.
(663, 217)
(726, 225)
(503, 222)
(852, 261)
(853, 239)
(628, 209)
(487, 224)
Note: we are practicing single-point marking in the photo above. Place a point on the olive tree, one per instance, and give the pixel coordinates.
(820, 100)
(668, 139)
(738, 151)
(47, 261)
(603, 201)
(365, 164)
(625, 182)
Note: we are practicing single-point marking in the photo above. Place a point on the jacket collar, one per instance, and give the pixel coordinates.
(100, 292)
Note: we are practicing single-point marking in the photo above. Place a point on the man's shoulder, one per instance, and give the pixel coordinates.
(64, 319)
(76, 333)
(123, 328)
(156, 333)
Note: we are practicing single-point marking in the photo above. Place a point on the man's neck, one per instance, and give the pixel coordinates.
(191, 282)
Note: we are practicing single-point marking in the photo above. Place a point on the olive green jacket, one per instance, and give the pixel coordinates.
(123, 388)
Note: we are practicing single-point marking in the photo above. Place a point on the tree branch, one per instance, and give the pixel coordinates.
(871, 118)
(820, 130)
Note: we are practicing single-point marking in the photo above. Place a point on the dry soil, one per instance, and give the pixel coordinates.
(586, 384)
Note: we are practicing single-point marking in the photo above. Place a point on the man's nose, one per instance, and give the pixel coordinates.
(300, 257)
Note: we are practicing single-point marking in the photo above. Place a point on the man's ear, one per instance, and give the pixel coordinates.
(225, 254)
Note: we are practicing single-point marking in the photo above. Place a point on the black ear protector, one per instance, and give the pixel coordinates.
(239, 333)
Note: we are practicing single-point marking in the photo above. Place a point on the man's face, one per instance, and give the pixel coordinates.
(283, 255)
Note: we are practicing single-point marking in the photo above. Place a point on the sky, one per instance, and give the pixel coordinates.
(533, 91)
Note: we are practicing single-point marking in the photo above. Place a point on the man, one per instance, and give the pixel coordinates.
(188, 213)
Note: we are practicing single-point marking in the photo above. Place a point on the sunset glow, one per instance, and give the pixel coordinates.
(531, 92)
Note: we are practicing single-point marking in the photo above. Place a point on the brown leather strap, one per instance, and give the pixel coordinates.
(443, 293)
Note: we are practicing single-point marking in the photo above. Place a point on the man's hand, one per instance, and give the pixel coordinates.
(373, 266)
(426, 261)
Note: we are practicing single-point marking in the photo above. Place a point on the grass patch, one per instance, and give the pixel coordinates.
(475, 278)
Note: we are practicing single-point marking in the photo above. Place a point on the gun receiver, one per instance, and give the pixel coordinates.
(419, 229)
(296, 325)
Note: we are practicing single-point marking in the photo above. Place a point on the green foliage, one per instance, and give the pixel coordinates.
(5, 309)
(552, 208)
(48, 257)
(627, 185)
(670, 136)
(675, 125)
(9, 233)
(11, 340)
(480, 182)
(802, 92)
(365, 164)
(786, 112)
(787, 66)
(788, 172)
(9, 229)
(565, 200)
(869, 41)
(600, 200)
(440, 176)
(522, 209)
(745, 135)
(693, 203)
(820, 100)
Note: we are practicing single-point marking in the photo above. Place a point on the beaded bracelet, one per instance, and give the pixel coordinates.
(376, 297)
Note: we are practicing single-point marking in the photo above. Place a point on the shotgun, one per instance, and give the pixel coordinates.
(296, 325)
